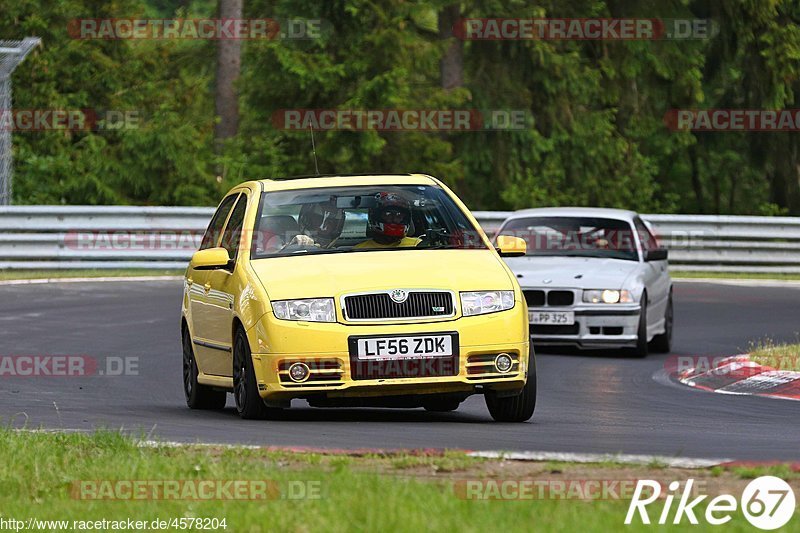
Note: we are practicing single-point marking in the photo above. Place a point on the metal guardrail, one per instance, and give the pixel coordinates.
(97, 237)
(63, 237)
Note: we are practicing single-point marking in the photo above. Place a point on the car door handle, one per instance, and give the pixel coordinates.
(189, 282)
(207, 286)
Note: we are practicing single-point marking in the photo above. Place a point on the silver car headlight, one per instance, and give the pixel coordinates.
(308, 309)
(482, 302)
(607, 296)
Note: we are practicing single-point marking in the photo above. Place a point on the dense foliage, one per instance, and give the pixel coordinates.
(597, 134)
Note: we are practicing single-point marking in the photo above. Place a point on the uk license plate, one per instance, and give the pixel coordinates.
(556, 318)
(404, 347)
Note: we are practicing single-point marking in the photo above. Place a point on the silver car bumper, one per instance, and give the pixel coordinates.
(594, 327)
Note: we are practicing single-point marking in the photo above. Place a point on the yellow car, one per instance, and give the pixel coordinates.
(378, 291)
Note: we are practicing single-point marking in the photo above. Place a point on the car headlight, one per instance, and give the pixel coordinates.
(607, 296)
(482, 302)
(309, 309)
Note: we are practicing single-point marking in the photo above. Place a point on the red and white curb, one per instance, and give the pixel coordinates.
(740, 375)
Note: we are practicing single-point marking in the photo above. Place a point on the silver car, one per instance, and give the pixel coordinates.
(593, 278)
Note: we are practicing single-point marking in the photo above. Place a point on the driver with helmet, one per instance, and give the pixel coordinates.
(389, 222)
(321, 223)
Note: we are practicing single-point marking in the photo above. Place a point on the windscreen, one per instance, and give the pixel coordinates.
(575, 236)
(360, 219)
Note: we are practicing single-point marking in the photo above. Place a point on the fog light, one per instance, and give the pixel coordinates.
(299, 372)
(503, 363)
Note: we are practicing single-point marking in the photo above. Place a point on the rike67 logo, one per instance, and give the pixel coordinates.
(767, 503)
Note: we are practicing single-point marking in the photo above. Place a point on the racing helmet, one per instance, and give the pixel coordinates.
(322, 221)
(389, 220)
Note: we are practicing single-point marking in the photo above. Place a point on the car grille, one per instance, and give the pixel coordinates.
(554, 298)
(419, 304)
(536, 298)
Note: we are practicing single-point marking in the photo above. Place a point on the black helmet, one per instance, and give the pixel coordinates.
(390, 218)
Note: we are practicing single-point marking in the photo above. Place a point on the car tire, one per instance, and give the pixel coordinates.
(641, 348)
(663, 343)
(249, 403)
(198, 396)
(517, 408)
(441, 405)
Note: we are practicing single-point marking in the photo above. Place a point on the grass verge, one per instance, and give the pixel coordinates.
(84, 273)
(780, 356)
(372, 493)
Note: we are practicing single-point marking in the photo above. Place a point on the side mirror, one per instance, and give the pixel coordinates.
(659, 254)
(508, 246)
(211, 259)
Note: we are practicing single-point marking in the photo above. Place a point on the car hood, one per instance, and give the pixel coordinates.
(312, 276)
(572, 272)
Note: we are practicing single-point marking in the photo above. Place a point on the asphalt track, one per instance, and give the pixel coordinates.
(588, 402)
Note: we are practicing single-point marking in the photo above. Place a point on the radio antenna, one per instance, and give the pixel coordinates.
(314, 148)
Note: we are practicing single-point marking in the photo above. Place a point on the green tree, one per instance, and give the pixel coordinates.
(596, 136)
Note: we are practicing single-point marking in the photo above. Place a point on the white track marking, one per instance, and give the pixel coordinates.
(175, 444)
(675, 462)
(566, 457)
(43, 281)
(790, 283)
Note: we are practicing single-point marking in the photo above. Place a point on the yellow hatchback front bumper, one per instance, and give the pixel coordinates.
(323, 348)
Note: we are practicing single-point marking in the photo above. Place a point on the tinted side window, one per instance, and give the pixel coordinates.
(217, 221)
(648, 241)
(233, 231)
